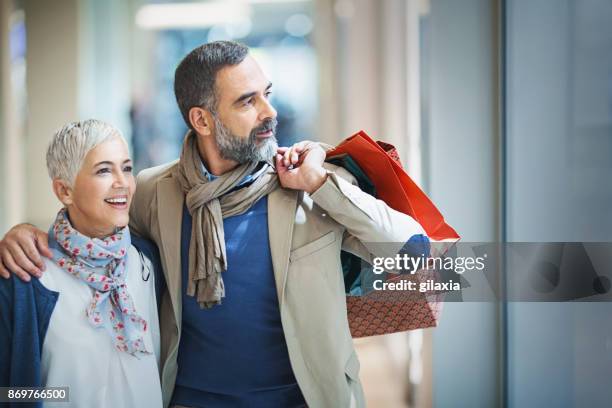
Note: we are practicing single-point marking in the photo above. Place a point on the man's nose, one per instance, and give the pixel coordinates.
(268, 111)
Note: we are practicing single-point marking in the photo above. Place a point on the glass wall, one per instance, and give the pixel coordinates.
(460, 132)
(558, 164)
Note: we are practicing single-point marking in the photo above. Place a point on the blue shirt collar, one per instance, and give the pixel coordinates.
(209, 176)
(249, 178)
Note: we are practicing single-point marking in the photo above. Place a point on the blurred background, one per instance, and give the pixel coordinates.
(501, 111)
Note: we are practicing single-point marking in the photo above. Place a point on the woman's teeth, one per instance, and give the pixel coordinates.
(116, 200)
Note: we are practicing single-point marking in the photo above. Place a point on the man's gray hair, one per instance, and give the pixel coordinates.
(194, 78)
(70, 145)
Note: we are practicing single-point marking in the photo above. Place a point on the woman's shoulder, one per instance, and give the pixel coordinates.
(149, 260)
(51, 275)
(14, 290)
(147, 248)
(137, 257)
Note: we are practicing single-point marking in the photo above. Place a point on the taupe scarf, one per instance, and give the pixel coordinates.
(208, 203)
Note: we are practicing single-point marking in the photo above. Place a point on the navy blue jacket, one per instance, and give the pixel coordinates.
(25, 311)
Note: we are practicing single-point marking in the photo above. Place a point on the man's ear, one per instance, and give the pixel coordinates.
(201, 121)
(63, 191)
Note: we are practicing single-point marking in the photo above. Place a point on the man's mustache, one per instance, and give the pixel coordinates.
(268, 124)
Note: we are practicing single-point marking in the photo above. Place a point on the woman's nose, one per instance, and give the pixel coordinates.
(120, 180)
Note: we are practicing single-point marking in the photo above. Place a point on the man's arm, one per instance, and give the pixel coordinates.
(21, 252)
(24, 245)
(367, 219)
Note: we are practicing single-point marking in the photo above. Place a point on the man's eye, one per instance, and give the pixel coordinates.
(127, 169)
(268, 93)
(249, 101)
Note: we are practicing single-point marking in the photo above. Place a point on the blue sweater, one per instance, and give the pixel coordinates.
(235, 354)
(25, 311)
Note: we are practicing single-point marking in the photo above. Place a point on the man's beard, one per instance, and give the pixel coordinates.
(244, 150)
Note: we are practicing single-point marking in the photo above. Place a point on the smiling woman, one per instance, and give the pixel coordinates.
(90, 322)
(98, 196)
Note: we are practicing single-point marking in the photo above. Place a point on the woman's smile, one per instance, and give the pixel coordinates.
(118, 202)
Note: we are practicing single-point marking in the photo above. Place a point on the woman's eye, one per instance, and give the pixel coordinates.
(103, 171)
(268, 93)
(127, 169)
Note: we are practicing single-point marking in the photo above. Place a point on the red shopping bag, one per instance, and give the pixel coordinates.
(393, 185)
(379, 313)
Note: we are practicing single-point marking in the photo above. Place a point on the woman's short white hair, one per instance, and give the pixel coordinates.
(70, 145)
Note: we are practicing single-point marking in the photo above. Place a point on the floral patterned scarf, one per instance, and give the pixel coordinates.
(101, 264)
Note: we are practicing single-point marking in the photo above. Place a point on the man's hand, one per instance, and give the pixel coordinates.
(21, 250)
(300, 166)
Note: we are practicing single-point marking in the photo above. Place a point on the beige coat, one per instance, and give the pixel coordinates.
(306, 234)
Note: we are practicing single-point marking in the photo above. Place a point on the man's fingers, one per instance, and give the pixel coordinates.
(12, 266)
(22, 260)
(4, 252)
(33, 254)
(286, 155)
(42, 243)
(293, 155)
(300, 150)
(280, 167)
(3, 271)
(282, 170)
